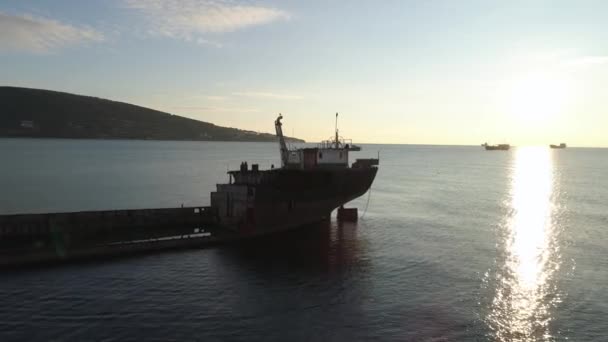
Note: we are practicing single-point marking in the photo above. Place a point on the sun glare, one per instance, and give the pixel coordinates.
(537, 97)
(524, 295)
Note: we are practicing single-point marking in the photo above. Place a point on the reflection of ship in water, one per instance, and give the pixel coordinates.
(305, 282)
(326, 246)
(499, 147)
(562, 145)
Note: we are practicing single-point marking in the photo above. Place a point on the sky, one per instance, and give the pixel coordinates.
(414, 72)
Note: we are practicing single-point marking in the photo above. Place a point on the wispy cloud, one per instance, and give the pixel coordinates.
(26, 33)
(588, 61)
(215, 109)
(268, 95)
(215, 97)
(190, 19)
(197, 97)
(207, 42)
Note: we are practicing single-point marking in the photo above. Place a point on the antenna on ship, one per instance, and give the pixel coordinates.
(337, 140)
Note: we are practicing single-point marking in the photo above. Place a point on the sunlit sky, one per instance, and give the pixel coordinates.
(423, 72)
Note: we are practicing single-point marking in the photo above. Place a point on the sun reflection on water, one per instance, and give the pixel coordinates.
(524, 291)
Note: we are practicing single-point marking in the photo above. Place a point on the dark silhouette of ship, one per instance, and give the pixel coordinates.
(308, 186)
(562, 145)
(499, 147)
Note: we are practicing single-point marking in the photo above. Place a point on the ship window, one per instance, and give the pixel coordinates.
(320, 155)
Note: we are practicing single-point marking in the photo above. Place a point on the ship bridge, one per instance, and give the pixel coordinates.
(331, 153)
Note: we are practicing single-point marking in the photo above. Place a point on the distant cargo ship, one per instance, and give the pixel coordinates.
(562, 145)
(499, 147)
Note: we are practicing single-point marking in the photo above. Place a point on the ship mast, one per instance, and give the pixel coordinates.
(283, 145)
(337, 141)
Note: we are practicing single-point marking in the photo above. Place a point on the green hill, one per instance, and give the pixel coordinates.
(40, 113)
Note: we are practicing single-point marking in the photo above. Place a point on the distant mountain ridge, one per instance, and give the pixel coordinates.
(38, 113)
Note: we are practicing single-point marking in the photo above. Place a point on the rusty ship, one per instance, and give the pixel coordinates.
(310, 183)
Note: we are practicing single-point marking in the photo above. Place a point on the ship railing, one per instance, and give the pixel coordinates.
(331, 143)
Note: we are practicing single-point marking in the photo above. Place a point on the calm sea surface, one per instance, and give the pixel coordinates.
(456, 244)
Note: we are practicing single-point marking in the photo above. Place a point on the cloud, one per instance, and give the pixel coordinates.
(202, 41)
(214, 109)
(189, 19)
(215, 97)
(588, 61)
(278, 96)
(25, 33)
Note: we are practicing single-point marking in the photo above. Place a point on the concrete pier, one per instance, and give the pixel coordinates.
(31, 238)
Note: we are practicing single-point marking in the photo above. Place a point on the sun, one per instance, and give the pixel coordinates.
(537, 97)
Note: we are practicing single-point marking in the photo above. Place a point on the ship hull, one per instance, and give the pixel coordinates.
(285, 199)
(497, 148)
(301, 201)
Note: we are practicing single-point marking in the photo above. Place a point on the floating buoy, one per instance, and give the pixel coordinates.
(348, 214)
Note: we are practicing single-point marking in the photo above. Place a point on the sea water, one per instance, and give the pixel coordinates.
(454, 243)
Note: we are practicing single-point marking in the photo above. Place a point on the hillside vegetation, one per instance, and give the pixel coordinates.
(40, 113)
